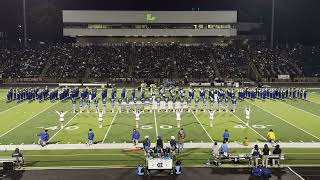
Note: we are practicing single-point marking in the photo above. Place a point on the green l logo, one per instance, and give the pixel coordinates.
(150, 17)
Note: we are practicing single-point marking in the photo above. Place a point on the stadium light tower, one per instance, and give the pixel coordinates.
(272, 24)
(24, 23)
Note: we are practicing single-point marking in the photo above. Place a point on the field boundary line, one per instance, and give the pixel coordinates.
(12, 107)
(28, 119)
(105, 136)
(141, 152)
(121, 146)
(133, 166)
(249, 126)
(203, 127)
(285, 120)
(295, 173)
(63, 127)
(155, 123)
(301, 109)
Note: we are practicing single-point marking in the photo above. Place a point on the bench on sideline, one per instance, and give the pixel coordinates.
(237, 158)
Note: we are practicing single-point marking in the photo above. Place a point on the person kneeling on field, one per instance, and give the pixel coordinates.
(224, 149)
(271, 137)
(246, 141)
(43, 138)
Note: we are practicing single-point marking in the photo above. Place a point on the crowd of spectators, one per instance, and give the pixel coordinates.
(194, 61)
(232, 61)
(68, 61)
(273, 62)
(111, 61)
(157, 60)
(17, 62)
(308, 58)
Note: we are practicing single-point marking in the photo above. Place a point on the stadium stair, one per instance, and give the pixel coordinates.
(256, 75)
(215, 66)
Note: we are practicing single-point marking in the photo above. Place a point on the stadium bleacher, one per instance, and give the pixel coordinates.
(150, 60)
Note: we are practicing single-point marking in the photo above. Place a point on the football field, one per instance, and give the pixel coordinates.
(291, 120)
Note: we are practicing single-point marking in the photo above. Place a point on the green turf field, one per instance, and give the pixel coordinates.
(292, 121)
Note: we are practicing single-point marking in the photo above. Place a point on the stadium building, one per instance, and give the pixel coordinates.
(160, 25)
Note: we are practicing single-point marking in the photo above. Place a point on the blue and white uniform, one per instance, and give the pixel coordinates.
(226, 101)
(189, 104)
(196, 104)
(211, 117)
(112, 104)
(96, 105)
(234, 104)
(119, 105)
(104, 104)
(158, 104)
(127, 105)
(219, 104)
(166, 100)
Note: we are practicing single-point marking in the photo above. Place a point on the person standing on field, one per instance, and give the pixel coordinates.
(135, 137)
(181, 138)
(90, 137)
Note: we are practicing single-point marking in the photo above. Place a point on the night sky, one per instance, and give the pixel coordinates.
(296, 20)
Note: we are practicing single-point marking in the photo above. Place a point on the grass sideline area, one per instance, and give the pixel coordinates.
(118, 158)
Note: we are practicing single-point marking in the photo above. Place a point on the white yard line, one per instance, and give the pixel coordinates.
(114, 117)
(285, 121)
(249, 126)
(63, 127)
(155, 122)
(28, 119)
(301, 109)
(12, 107)
(315, 93)
(203, 127)
(314, 102)
(298, 175)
